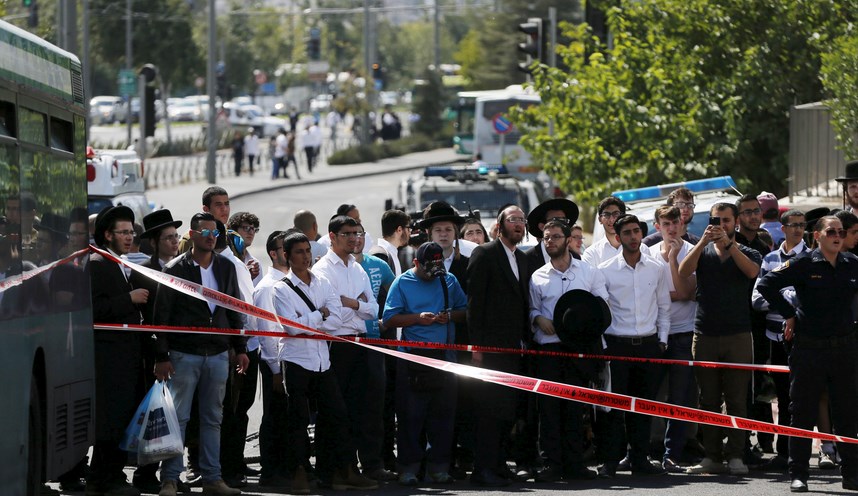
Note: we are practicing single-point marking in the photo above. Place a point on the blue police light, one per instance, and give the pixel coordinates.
(452, 170)
(696, 186)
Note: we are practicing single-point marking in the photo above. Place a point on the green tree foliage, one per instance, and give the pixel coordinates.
(689, 88)
(840, 77)
(428, 104)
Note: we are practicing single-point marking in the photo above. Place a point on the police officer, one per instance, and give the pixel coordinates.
(825, 344)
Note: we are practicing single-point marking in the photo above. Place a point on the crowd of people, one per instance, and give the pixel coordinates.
(731, 295)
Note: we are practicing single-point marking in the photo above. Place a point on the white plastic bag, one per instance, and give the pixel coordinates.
(160, 437)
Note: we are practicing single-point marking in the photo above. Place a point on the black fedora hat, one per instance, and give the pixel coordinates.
(108, 215)
(814, 215)
(537, 215)
(851, 172)
(580, 317)
(440, 211)
(157, 220)
(53, 223)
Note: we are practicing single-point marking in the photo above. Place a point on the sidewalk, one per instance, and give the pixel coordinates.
(186, 199)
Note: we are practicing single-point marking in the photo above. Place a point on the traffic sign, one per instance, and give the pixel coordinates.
(127, 80)
(501, 124)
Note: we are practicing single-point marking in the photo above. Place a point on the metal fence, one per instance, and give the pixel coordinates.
(163, 172)
(815, 155)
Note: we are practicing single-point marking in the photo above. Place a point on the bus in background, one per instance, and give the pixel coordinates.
(488, 143)
(46, 342)
(464, 110)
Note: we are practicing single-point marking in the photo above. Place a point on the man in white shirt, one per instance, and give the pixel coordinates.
(395, 232)
(682, 388)
(358, 371)
(281, 143)
(305, 221)
(560, 421)
(639, 298)
(251, 147)
(610, 209)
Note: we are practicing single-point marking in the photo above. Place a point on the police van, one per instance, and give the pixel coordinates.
(116, 177)
(643, 202)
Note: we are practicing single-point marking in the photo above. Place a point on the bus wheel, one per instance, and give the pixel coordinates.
(35, 440)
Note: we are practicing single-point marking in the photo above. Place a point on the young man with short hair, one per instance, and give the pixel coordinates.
(683, 199)
(610, 209)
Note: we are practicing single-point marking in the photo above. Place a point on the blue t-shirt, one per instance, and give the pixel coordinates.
(410, 294)
(379, 275)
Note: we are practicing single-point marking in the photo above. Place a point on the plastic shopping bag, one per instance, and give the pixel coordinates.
(160, 437)
(132, 432)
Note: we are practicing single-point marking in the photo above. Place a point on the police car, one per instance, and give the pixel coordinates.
(643, 202)
(115, 177)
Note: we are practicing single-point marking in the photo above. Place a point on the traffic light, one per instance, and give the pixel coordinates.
(147, 106)
(534, 43)
(314, 44)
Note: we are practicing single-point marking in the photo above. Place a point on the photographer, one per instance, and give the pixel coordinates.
(425, 301)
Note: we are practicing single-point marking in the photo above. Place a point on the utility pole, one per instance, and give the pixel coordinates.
(87, 71)
(552, 38)
(437, 34)
(129, 63)
(367, 69)
(211, 174)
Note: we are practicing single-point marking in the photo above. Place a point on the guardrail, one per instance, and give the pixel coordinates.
(164, 172)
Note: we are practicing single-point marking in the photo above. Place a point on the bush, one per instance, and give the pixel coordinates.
(189, 145)
(386, 149)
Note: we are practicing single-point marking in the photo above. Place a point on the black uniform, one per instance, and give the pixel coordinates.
(824, 349)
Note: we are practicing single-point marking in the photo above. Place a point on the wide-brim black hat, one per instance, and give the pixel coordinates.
(106, 217)
(813, 215)
(158, 220)
(580, 317)
(537, 215)
(439, 211)
(851, 172)
(54, 224)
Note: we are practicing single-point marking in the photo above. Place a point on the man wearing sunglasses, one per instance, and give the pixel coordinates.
(825, 343)
(199, 362)
(610, 209)
(683, 199)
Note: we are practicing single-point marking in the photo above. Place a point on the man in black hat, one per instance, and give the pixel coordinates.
(52, 238)
(118, 354)
(442, 223)
(850, 186)
(560, 421)
(554, 209)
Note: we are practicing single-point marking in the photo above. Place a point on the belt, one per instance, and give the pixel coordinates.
(826, 342)
(636, 341)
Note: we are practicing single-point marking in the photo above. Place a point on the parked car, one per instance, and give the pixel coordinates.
(102, 109)
(321, 103)
(253, 116)
(184, 110)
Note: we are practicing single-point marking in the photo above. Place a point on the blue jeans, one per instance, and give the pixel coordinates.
(206, 375)
(682, 390)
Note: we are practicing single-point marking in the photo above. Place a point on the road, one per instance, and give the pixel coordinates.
(276, 209)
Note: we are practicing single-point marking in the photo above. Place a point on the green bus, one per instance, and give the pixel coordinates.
(46, 345)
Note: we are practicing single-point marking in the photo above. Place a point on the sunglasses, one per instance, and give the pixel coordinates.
(208, 232)
(832, 232)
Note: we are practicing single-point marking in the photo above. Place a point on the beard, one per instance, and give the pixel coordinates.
(510, 234)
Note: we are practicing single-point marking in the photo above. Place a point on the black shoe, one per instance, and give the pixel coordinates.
(647, 468)
(607, 471)
(776, 464)
(753, 459)
(549, 474)
(182, 487)
(193, 478)
(235, 481)
(275, 480)
(798, 486)
(504, 472)
(580, 473)
(522, 474)
(148, 484)
(488, 478)
(671, 467)
(625, 465)
(850, 483)
(250, 471)
(73, 485)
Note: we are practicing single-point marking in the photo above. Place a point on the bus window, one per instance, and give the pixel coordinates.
(7, 119)
(33, 128)
(61, 134)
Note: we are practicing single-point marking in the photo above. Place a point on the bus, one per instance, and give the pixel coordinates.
(497, 149)
(46, 342)
(464, 109)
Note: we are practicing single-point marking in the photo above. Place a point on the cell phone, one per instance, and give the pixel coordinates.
(714, 221)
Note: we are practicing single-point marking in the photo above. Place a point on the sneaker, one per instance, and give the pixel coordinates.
(778, 463)
(440, 478)
(408, 479)
(300, 484)
(737, 467)
(168, 488)
(346, 478)
(219, 488)
(672, 467)
(825, 461)
(707, 466)
(625, 465)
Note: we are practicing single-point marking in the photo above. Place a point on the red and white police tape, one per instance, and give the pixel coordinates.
(548, 388)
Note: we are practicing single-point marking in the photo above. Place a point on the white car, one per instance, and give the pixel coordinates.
(321, 103)
(184, 110)
(102, 109)
(253, 116)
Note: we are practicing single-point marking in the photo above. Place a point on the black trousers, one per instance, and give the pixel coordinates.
(633, 379)
(233, 431)
(495, 413)
(812, 369)
(272, 428)
(779, 356)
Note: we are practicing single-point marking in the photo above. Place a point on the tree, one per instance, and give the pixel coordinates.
(689, 88)
(840, 77)
(429, 103)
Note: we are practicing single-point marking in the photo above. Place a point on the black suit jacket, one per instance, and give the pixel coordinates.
(139, 280)
(173, 308)
(498, 305)
(111, 296)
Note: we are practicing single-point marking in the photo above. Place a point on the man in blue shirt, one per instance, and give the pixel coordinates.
(424, 302)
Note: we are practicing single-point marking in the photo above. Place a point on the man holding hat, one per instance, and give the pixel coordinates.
(560, 421)
(559, 209)
(850, 186)
(118, 354)
(424, 302)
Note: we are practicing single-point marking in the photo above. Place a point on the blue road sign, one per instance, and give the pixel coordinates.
(501, 124)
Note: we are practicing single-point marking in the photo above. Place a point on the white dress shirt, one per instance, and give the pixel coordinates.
(263, 297)
(310, 354)
(602, 250)
(245, 287)
(510, 255)
(638, 296)
(548, 284)
(682, 313)
(350, 281)
(393, 253)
